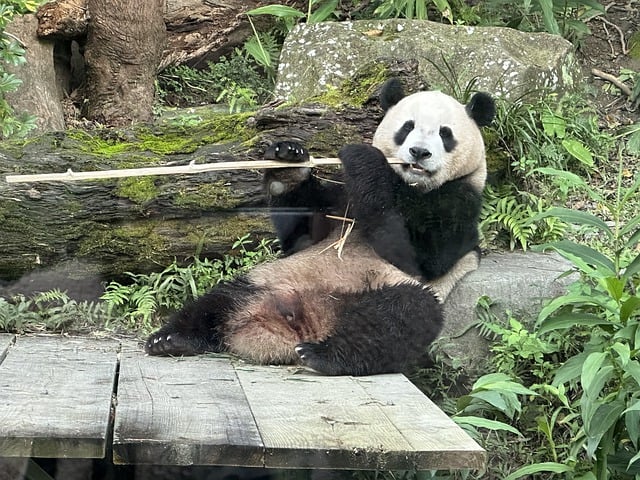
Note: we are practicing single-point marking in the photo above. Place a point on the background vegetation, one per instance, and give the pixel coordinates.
(563, 396)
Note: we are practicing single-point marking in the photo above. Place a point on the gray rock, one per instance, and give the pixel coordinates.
(505, 62)
(517, 282)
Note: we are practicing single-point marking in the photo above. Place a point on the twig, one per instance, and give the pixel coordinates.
(610, 78)
(192, 167)
(623, 43)
(15, 38)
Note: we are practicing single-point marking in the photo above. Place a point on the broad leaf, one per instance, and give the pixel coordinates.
(605, 417)
(485, 423)
(578, 151)
(577, 217)
(276, 11)
(570, 370)
(568, 320)
(537, 468)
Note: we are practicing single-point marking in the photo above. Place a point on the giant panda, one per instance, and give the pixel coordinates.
(374, 304)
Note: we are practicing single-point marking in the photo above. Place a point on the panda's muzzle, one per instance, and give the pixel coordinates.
(419, 153)
(418, 157)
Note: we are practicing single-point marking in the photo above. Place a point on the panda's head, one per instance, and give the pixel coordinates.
(437, 138)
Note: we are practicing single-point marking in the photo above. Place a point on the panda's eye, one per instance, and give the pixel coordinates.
(445, 132)
(401, 135)
(448, 141)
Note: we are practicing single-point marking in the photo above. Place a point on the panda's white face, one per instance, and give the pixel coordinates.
(435, 138)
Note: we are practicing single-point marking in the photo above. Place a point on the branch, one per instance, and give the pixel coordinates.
(607, 76)
(191, 168)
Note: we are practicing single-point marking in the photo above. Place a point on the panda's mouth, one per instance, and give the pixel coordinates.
(416, 169)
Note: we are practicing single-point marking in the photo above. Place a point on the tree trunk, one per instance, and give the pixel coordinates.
(39, 94)
(124, 46)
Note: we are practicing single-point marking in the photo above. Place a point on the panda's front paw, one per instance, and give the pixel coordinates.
(359, 160)
(280, 181)
(287, 152)
(170, 344)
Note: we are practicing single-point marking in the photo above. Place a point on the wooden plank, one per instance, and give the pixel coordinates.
(437, 441)
(183, 411)
(56, 396)
(311, 421)
(6, 340)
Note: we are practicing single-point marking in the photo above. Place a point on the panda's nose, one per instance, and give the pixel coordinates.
(419, 153)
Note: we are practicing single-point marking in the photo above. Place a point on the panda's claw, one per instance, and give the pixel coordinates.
(169, 344)
(317, 357)
(287, 152)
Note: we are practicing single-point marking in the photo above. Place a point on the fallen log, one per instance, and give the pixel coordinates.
(109, 226)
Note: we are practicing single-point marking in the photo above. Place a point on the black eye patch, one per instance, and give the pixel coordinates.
(401, 135)
(448, 141)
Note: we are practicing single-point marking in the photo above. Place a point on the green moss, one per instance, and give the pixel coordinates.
(96, 145)
(168, 137)
(139, 240)
(357, 90)
(328, 141)
(226, 231)
(137, 189)
(207, 195)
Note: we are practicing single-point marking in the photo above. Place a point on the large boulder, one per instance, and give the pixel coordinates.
(517, 282)
(503, 61)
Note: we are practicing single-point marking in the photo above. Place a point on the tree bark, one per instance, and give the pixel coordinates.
(124, 46)
(39, 93)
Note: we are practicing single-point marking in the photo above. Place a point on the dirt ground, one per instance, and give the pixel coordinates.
(607, 50)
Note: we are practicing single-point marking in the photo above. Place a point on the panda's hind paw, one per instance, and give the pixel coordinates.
(170, 344)
(287, 152)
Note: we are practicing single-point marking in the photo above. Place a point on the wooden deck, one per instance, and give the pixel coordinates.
(86, 398)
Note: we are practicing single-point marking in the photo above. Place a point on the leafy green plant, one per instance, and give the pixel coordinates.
(560, 133)
(508, 212)
(50, 311)
(607, 370)
(140, 302)
(234, 80)
(411, 9)
(560, 17)
(12, 52)
(265, 47)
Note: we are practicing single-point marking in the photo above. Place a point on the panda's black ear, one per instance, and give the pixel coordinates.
(481, 108)
(391, 93)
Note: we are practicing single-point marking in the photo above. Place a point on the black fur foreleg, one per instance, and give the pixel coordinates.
(379, 331)
(370, 183)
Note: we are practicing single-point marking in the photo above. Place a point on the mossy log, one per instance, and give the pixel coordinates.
(140, 224)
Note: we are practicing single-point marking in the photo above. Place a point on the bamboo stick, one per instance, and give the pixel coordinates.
(192, 167)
